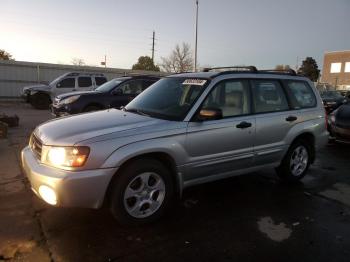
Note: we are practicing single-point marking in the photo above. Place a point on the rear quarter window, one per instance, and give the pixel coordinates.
(301, 94)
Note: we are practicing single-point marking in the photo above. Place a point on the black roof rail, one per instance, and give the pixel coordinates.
(279, 71)
(232, 68)
(84, 73)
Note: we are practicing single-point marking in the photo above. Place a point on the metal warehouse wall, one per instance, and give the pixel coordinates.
(14, 75)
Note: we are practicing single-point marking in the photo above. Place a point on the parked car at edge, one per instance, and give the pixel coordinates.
(332, 100)
(184, 130)
(339, 124)
(113, 94)
(41, 96)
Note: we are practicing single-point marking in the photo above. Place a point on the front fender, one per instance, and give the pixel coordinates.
(174, 149)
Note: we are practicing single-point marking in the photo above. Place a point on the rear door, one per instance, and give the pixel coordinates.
(224, 145)
(274, 119)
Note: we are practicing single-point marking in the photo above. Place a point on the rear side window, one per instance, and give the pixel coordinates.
(84, 81)
(66, 83)
(269, 96)
(301, 94)
(100, 80)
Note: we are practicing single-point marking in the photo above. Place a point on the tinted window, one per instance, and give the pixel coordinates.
(133, 87)
(100, 80)
(147, 83)
(302, 94)
(232, 97)
(67, 83)
(84, 81)
(269, 96)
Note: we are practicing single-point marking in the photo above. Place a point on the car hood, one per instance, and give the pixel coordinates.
(337, 100)
(66, 95)
(71, 130)
(36, 87)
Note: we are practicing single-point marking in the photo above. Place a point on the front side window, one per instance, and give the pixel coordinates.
(170, 98)
(231, 97)
(133, 87)
(302, 94)
(268, 96)
(84, 81)
(67, 83)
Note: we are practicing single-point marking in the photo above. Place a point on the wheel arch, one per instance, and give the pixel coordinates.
(163, 157)
(309, 138)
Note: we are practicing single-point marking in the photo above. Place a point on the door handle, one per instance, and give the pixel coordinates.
(244, 124)
(291, 118)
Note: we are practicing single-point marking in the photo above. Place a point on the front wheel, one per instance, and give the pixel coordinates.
(142, 192)
(295, 164)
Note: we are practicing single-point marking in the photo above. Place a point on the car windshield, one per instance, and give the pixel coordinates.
(108, 86)
(170, 98)
(331, 95)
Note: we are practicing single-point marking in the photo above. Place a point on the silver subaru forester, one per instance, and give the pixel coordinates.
(184, 130)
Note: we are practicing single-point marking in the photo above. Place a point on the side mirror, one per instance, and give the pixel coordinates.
(209, 114)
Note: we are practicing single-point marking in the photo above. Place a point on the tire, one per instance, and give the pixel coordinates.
(40, 101)
(288, 171)
(92, 108)
(131, 202)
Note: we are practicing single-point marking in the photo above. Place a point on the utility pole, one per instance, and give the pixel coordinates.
(153, 38)
(195, 45)
(105, 61)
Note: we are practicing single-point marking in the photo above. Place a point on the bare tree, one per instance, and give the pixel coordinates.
(78, 61)
(180, 59)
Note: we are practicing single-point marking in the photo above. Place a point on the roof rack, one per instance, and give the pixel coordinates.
(232, 68)
(84, 73)
(279, 71)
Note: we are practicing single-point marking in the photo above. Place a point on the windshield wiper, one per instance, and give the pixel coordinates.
(134, 110)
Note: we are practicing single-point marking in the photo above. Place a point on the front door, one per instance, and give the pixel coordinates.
(219, 146)
(66, 85)
(126, 92)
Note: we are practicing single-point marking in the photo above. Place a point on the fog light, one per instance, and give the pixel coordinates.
(48, 194)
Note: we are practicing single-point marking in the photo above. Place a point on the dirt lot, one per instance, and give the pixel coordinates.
(247, 218)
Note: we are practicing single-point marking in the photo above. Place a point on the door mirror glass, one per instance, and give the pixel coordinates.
(209, 114)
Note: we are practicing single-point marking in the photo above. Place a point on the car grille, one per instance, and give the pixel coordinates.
(36, 145)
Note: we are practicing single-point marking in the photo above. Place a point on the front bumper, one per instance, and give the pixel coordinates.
(73, 188)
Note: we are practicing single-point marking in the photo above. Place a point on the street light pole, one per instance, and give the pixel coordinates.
(195, 46)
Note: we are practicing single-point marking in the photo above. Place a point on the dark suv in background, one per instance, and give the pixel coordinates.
(113, 94)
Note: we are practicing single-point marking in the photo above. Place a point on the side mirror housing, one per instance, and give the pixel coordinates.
(209, 114)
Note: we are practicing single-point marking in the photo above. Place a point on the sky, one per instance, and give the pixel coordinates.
(263, 33)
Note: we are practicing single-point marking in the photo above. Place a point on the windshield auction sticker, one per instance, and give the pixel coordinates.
(194, 82)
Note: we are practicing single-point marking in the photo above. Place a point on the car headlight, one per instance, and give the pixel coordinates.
(69, 100)
(65, 156)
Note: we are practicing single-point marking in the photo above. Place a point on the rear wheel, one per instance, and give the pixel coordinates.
(142, 192)
(40, 101)
(295, 164)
